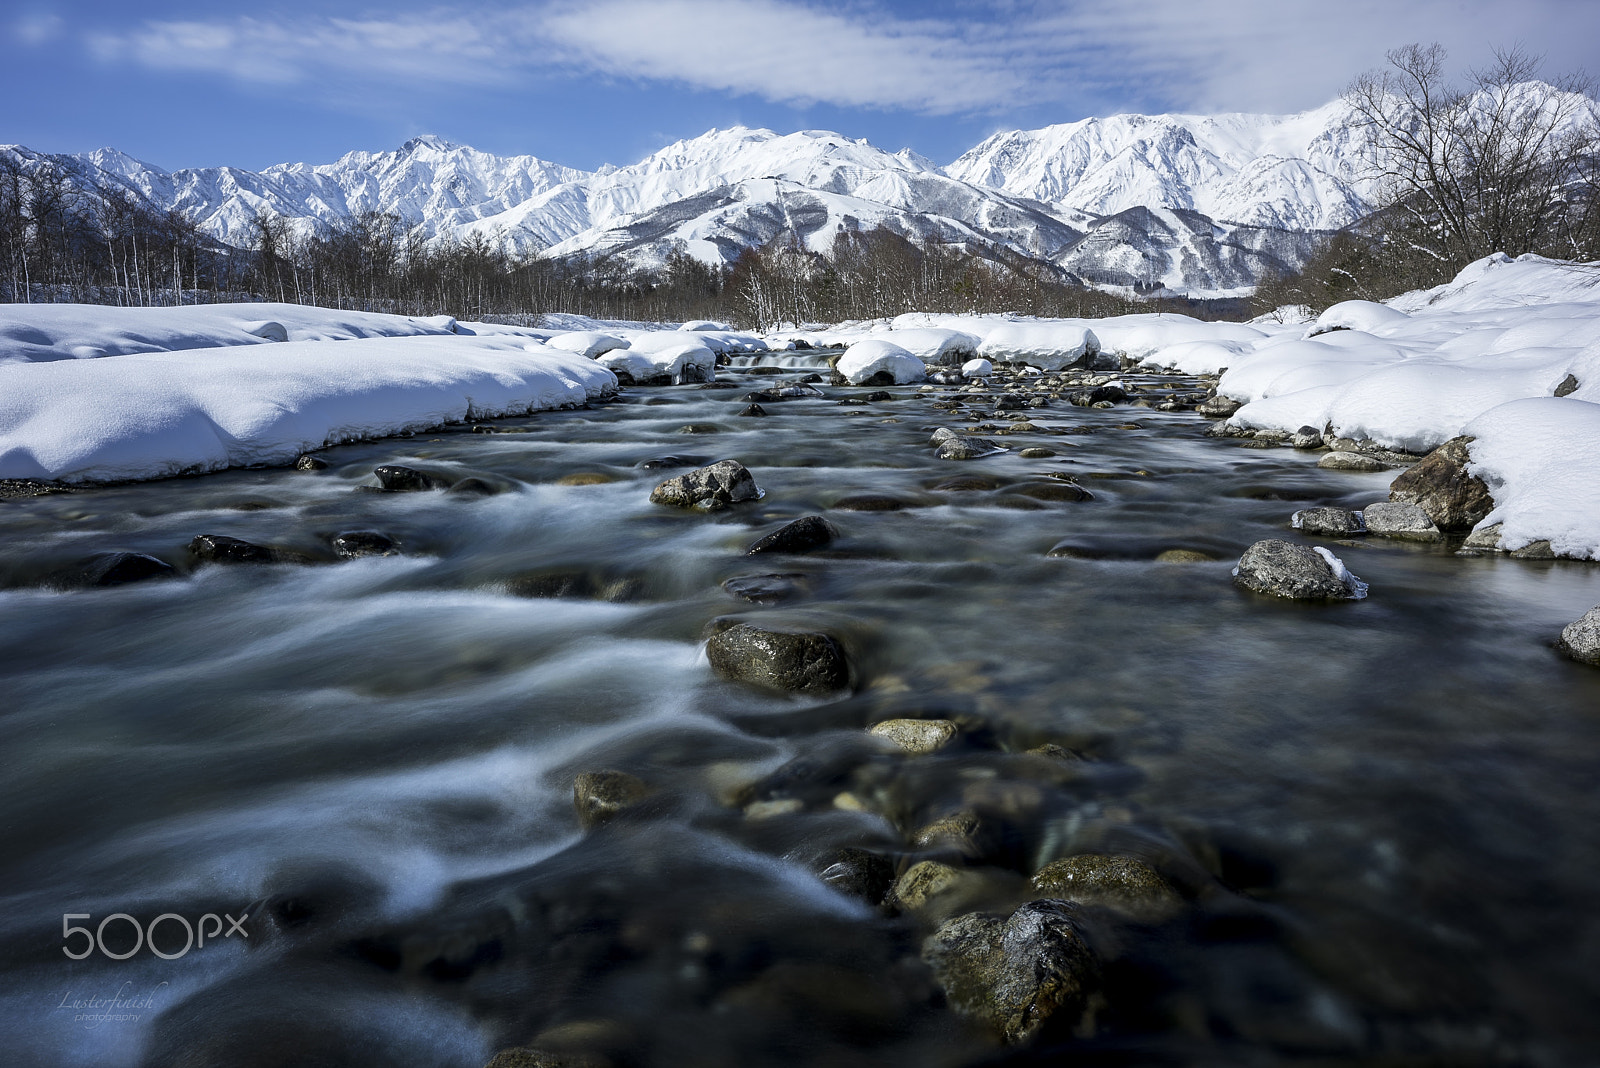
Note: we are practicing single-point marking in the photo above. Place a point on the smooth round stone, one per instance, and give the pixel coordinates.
(1351, 461)
(1037, 453)
(917, 736)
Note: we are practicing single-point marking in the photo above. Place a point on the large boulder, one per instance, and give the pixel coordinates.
(789, 661)
(880, 363)
(1454, 499)
(1012, 973)
(1580, 639)
(1282, 569)
(724, 482)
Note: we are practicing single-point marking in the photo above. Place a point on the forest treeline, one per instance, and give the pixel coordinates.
(1498, 163)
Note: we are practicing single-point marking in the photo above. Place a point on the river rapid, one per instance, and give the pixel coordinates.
(1381, 815)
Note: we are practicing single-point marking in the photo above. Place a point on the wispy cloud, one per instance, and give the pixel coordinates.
(990, 57)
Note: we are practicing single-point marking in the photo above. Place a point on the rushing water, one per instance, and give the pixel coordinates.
(1385, 812)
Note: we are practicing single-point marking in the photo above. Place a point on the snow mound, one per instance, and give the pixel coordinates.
(1541, 460)
(156, 415)
(977, 369)
(590, 344)
(671, 354)
(1049, 346)
(46, 332)
(865, 359)
(936, 344)
(1363, 315)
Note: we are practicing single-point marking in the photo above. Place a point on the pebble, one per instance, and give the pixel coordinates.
(917, 736)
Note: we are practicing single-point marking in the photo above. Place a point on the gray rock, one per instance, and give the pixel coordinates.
(396, 478)
(917, 735)
(1441, 485)
(1485, 538)
(354, 543)
(1352, 461)
(1568, 386)
(1535, 550)
(765, 589)
(1126, 884)
(600, 795)
(725, 482)
(960, 448)
(806, 662)
(1036, 453)
(1400, 519)
(802, 535)
(1012, 973)
(1218, 407)
(1295, 572)
(1580, 639)
(1328, 522)
(1307, 437)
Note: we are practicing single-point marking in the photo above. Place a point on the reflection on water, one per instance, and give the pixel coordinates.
(1383, 812)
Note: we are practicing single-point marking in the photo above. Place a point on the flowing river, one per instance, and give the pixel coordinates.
(1382, 815)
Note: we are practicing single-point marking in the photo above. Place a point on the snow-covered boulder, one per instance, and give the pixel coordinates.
(732, 343)
(587, 343)
(1364, 315)
(663, 356)
(1048, 346)
(880, 362)
(937, 345)
(701, 325)
(977, 369)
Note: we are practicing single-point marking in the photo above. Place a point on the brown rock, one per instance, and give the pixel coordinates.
(1454, 499)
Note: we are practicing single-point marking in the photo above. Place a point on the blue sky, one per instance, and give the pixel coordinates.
(585, 82)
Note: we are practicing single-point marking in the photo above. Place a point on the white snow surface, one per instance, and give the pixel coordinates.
(1049, 345)
(590, 344)
(866, 358)
(1541, 460)
(977, 369)
(43, 332)
(933, 344)
(158, 414)
(681, 354)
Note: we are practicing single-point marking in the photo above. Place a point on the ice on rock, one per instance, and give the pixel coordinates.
(589, 344)
(865, 360)
(1047, 345)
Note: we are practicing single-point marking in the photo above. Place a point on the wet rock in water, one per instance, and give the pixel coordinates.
(765, 589)
(1484, 538)
(752, 411)
(1534, 550)
(121, 568)
(1568, 386)
(1307, 437)
(860, 873)
(28, 487)
(307, 462)
(795, 391)
(966, 484)
(221, 549)
(353, 543)
(1105, 395)
(1054, 491)
(1352, 461)
(600, 795)
(700, 428)
(871, 502)
(1036, 453)
(957, 447)
(958, 831)
(924, 881)
(1126, 884)
(587, 478)
(576, 584)
(660, 463)
(473, 486)
(529, 1057)
(917, 735)
(1183, 556)
(800, 536)
(1012, 973)
(396, 478)
(788, 661)
(1217, 407)
(1443, 488)
(1328, 522)
(1392, 519)
(879, 395)
(1580, 639)
(1295, 572)
(725, 482)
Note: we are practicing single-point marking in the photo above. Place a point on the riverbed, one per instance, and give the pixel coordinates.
(1381, 815)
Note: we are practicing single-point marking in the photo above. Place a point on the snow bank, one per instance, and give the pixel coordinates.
(45, 332)
(865, 359)
(651, 355)
(1541, 460)
(1047, 345)
(932, 344)
(590, 344)
(161, 414)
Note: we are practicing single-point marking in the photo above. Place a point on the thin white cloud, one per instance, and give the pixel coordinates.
(998, 56)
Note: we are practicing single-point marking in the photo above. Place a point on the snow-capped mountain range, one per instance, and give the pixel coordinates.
(1199, 204)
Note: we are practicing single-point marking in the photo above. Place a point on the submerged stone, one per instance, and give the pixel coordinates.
(805, 662)
(600, 795)
(397, 478)
(354, 543)
(800, 536)
(121, 568)
(860, 873)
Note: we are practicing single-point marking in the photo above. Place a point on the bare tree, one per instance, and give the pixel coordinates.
(1493, 165)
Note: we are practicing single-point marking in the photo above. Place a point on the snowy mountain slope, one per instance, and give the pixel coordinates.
(1292, 171)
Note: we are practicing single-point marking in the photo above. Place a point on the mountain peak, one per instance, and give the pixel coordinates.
(432, 141)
